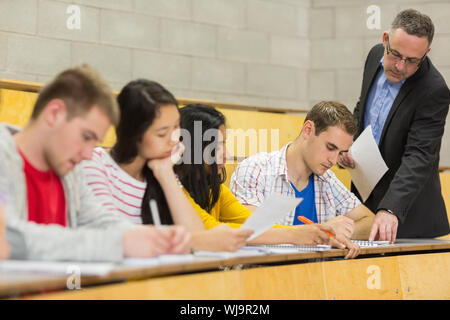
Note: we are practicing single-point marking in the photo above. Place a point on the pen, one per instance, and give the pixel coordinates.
(156, 219)
(305, 220)
(155, 213)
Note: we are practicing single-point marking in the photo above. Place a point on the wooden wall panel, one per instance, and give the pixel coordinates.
(376, 278)
(425, 276)
(299, 281)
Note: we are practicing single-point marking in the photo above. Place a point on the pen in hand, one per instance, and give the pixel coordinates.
(156, 218)
(307, 221)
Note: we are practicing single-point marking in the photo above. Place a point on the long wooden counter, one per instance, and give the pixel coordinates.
(407, 270)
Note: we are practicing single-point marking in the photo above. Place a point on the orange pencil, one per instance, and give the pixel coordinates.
(305, 220)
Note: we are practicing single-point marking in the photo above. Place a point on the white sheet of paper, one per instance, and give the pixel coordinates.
(243, 252)
(57, 267)
(273, 209)
(369, 165)
(159, 260)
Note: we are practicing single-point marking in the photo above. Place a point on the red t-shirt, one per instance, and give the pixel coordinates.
(45, 195)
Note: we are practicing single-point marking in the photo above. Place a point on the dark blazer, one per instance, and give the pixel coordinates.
(410, 144)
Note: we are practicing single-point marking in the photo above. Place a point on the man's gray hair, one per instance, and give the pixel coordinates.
(414, 23)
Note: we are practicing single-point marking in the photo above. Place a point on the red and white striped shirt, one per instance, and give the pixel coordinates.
(260, 175)
(115, 188)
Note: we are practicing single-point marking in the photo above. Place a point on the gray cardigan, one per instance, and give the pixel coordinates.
(92, 234)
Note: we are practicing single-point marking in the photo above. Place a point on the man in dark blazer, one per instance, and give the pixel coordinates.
(406, 101)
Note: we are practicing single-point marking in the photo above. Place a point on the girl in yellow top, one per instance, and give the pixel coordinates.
(202, 173)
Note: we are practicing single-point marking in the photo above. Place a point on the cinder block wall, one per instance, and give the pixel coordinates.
(279, 53)
(253, 52)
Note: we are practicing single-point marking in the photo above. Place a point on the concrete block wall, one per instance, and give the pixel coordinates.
(252, 52)
(278, 53)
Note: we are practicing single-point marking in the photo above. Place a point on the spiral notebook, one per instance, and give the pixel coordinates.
(290, 248)
(371, 244)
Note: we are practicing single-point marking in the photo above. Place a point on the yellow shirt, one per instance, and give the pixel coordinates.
(227, 210)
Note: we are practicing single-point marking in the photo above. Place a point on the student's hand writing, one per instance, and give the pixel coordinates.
(145, 242)
(314, 234)
(180, 240)
(342, 226)
(341, 242)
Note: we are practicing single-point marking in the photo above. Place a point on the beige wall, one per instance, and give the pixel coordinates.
(279, 53)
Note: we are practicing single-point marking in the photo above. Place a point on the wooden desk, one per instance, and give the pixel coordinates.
(421, 265)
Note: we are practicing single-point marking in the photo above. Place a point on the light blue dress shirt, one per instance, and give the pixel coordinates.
(379, 102)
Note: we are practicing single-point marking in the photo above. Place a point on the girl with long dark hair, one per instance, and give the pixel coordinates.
(202, 173)
(139, 167)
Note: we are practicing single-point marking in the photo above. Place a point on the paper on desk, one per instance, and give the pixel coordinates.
(243, 252)
(57, 267)
(160, 260)
(369, 165)
(273, 209)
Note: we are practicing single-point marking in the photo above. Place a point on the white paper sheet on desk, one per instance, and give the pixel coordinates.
(243, 252)
(57, 267)
(369, 165)
(160, 260)
(273, 209)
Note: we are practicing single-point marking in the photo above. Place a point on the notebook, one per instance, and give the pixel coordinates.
(290, 248)
(160, 260)
(57, 267)
(371, 244)
(243, 252)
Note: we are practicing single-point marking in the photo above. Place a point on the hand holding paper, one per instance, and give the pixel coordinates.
(274, 208)
(369, 165)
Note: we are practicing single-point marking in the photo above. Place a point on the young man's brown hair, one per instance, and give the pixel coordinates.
(80, 88)
(327, 114)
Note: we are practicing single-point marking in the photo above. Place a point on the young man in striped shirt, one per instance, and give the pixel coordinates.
(301, 169)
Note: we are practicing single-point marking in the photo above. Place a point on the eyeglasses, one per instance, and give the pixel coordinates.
(397, 57)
